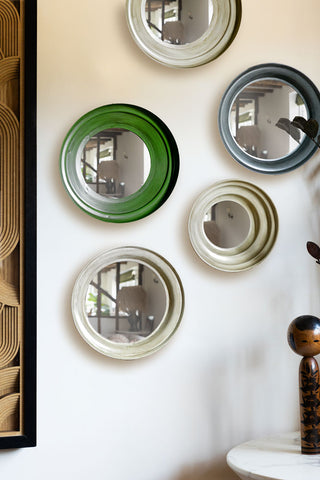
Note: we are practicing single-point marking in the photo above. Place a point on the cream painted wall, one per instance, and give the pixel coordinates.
(228, 374)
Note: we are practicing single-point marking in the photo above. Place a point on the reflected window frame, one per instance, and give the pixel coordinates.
(302, 85)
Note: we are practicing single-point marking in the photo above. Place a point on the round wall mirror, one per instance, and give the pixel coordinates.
(127, 302)
(183, 33)
(119, 163)
(251, 108)
(233, 225)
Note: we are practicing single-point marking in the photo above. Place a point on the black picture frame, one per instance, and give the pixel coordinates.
(28, 436)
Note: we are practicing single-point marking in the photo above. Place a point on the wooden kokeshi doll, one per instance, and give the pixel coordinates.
(304, 339)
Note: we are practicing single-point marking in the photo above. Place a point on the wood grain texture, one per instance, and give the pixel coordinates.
(9, 380)
(11, 216)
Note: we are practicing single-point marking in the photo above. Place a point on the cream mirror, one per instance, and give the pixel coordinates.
(233, 225)
(251, 108)
(127, 302)
(183, 33)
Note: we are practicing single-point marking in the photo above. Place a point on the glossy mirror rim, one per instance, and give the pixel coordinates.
(262, 231)
(302, 84)
(170, 321)
(220, 34)
(164, 162)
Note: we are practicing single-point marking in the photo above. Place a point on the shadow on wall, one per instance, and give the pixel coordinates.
(217, 470)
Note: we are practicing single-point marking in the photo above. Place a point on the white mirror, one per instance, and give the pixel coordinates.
(127, 302)
(183, 33)
(233, 225)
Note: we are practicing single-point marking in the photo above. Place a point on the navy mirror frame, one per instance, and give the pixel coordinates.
(28, 436)
(304, 86)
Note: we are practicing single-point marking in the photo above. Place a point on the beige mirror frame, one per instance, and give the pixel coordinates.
(262, 233)
(170, 320)
(219, 35)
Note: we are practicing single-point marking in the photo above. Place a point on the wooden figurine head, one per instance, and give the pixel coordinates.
(304, 335)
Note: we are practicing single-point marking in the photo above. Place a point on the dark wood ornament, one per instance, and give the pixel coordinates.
(304, 339)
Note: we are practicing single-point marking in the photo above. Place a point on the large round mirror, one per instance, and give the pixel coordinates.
(119, 163)
(233, 225)
(127, 302)
(251, 109)
(183, 33)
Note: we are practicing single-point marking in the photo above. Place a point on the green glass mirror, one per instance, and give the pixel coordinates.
(119, 163)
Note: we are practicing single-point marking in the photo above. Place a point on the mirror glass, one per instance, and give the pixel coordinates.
(255, 112)
(226, 224)
(115, 163)
(178, 22)
(126, 301)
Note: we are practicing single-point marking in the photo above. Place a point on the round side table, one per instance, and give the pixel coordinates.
(274, 458)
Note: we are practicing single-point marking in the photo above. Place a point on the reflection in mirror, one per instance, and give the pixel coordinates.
(126, 301)
(178, 22)
(115, 163)
(255, 112)
(226, 224)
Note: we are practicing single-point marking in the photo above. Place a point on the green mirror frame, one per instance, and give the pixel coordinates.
(164, 160)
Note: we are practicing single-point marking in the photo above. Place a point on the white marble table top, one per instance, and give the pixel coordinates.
(276, 458)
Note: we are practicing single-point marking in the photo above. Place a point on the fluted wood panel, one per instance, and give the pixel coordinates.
(9, 29)
(9, 407)
(11, 216)
(9, 380)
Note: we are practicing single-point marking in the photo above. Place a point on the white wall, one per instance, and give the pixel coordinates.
(228, 374)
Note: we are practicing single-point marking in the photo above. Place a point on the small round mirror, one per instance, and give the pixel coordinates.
(254, 109)
(255, 112)
(183, 33)
(127, 302)
(226, 224)
(233, 225)
(178, 22)
(115, 163)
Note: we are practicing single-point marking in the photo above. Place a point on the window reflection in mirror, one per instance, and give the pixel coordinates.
(126, 301)
(226, 224)
(115, 163)
(178, 22)
(255, 112)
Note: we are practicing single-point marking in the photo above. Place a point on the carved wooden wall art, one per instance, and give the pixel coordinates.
(17, 222)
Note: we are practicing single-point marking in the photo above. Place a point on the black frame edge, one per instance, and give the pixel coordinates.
(28, 438)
